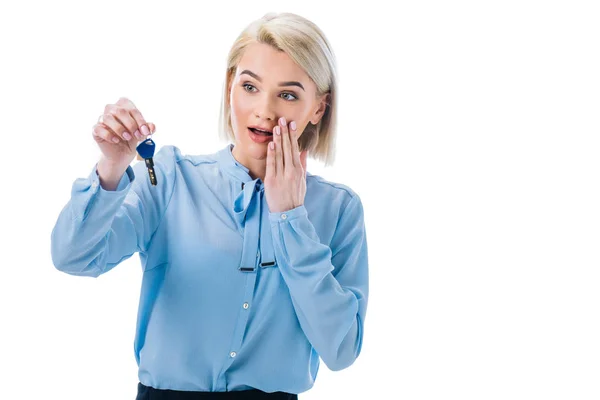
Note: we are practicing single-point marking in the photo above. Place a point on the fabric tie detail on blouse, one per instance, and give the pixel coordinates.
(251, 213)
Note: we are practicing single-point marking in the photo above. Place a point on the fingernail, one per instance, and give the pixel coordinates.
(282, 121)
(126, 135)
(116, 140)
(145, 130)
(137, 134)
(293, 125)
(277, 130)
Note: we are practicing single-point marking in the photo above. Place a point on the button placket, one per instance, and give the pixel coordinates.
(248, 263)
(242, 321)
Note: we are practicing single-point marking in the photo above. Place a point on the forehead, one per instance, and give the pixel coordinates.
(270, 64)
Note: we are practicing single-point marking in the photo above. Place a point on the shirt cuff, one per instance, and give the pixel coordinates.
(283, 216)
(127, 178)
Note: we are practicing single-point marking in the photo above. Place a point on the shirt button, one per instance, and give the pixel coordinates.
(232, 354)
(246, 306)
(283, 216)
(258, 254)
(94, 184)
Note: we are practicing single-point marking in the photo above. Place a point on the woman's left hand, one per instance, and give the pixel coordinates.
(285, 177)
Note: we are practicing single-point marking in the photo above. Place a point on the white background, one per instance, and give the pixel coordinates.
(468, 128)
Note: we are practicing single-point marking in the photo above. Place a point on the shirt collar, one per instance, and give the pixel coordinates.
(249, 186)
(229, 164)
(234, 168)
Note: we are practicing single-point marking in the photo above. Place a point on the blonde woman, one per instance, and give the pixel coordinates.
(253, 268)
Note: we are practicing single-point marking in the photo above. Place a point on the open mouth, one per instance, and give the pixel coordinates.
(261, 133)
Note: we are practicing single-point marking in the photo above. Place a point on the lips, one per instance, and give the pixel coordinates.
(260, 131)
(259, 138)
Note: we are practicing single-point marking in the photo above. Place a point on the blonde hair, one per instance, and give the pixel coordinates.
(308, 47)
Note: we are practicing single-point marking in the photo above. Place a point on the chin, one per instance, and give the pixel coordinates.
(251, 148)
(257, 151)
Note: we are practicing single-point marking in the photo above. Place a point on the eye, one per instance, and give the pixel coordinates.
(245, 85)
(248, 85)
(290, 94)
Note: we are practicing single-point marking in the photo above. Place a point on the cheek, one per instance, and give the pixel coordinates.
(240, 106)
(301, 115)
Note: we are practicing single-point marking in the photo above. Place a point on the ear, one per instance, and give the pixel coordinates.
(323, 103)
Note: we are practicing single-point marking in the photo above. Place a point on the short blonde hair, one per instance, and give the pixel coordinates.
(306, 45)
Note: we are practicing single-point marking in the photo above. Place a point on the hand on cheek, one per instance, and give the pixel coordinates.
(285, 177)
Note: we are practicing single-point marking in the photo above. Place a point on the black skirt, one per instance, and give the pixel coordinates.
(150, 393)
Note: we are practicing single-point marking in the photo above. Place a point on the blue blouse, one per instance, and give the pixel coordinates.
(233, 296)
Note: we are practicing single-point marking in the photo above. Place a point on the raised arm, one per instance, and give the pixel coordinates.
(98, 228)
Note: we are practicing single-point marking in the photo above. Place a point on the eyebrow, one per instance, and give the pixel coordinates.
(288, 83)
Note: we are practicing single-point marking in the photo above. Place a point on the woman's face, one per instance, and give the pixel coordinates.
(266, 86)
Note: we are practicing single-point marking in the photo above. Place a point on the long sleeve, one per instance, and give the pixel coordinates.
(97, 229)
(328, 284)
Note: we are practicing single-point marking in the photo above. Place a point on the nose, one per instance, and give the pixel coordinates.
(264, 109)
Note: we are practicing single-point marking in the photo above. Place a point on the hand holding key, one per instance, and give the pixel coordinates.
(119, 132)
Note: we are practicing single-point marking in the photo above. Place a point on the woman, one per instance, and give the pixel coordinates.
(252, 267)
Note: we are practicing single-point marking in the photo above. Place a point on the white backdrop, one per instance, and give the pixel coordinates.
(468, 128)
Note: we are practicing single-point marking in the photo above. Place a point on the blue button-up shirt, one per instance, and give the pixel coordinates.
(233, 296)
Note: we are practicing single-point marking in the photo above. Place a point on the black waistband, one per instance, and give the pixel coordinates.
(150, 393)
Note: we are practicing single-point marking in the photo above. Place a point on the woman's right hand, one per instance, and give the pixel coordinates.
(122, 128)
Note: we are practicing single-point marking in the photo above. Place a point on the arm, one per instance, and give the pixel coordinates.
(328, 285)
(98, 228)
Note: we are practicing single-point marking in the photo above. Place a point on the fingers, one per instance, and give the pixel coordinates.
(125, 102)
(140, 121)
(122, 122)
(285, 138)
(271, 165)
(119, 122)
(294, 144)
(278, 148)
(140, 124)
(286, 152)
(102, 133)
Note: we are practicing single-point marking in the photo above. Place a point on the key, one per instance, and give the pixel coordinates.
(146, 151)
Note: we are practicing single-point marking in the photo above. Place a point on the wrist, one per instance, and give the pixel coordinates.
(110, 168)
(109, 173)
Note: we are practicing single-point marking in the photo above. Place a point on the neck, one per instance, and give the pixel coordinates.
(256, 167)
